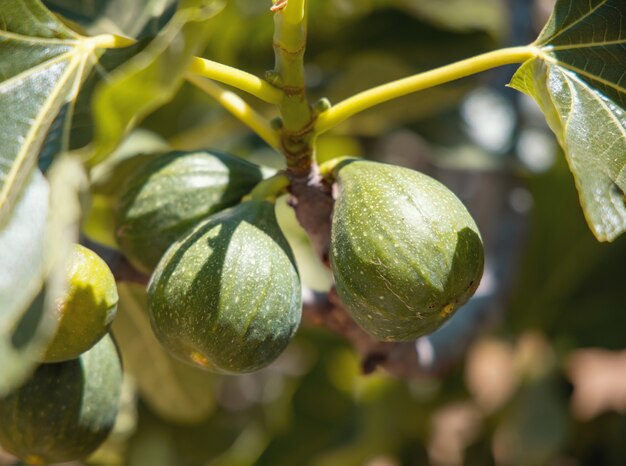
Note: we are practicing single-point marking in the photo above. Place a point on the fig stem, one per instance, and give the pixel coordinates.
(270, 188)
(392, 90)
(328, 168)
(239, 108)
(295, 11)
(289, 42)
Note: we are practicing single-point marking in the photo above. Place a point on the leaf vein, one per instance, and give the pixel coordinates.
(20, 158)
(46, 64)
(577, 21)
(551, 48)
(575, 69)
(38, 40)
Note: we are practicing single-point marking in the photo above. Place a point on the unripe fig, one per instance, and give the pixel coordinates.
(227, 296)
(164, 199)
(66, 409)
(405, 252)
(87, 307)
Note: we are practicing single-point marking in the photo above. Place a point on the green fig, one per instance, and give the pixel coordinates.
(87, 307)
(66, 409)
(405, 252)
(227, 296)
(165, 198)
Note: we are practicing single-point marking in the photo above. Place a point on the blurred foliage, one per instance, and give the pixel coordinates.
(524, 393)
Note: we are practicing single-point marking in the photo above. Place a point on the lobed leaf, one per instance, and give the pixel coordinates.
(579, 81)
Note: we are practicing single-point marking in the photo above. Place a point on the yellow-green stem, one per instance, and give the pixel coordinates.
(327, 168)
(237, 78)
(239, 108)
(270, 188)
(377, 95)
(110, 41)
(290, 27)
(295, 11)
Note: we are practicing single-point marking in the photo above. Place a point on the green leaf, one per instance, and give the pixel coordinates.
(42, 63)
(21, 274)
(579, 81)
(174, 390)
(73, 127)
(151, 78)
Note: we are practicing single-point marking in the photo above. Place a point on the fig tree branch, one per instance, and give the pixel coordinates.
(239, 108)
(392, 90)
(294, 11)
(400, 360)
(289, 43)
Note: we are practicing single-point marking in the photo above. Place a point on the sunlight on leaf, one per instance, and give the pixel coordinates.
(579, 81)
(35, 245)
(42, 64)
(73, 127)
(24, 327)
(21, 275)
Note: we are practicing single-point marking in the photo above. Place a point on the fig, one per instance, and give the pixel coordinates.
(227, 296)
(86, 309)
(405, 252)
(165, 198)
(66, 409)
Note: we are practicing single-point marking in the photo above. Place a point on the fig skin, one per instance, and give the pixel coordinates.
(405, 252)
(66, 410)
(166, 198)
(227, 297)
(87, 308)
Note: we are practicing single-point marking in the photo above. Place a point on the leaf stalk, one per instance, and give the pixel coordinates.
(238, 107)
(110, 41)
(392, 90)
(236, 78)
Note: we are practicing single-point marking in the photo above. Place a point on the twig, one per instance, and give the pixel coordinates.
(397, 359)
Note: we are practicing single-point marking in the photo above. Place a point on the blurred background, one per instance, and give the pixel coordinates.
(532, 371)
